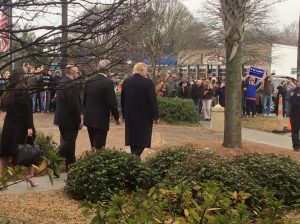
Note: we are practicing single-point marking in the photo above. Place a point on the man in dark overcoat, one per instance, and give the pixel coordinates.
(139, 108)
(99, 101)
(294, 100)
(67, 114)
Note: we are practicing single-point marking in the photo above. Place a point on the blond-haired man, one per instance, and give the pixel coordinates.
(139, 108)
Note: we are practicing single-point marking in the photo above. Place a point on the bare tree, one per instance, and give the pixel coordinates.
(37, 18)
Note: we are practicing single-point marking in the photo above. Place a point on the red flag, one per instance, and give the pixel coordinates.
(4, 35)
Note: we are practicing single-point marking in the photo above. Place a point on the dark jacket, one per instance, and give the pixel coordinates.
(99, 101)
(18, 120)
(268, 89)
(208, 95)
(222, 96)
(295, 102)
(197, 92)
(67, 114)
(139, 108)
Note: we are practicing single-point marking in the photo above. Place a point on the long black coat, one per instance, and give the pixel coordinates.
(17, 121)
(139, 108)
(67, 114)
(99, 101)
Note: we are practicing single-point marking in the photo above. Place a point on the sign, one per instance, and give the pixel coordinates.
(256, 72)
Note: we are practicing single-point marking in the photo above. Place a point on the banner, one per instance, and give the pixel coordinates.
(4, 34)
(256, 72)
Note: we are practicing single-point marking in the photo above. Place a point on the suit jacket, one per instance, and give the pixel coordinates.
(67, 114)
(99, 101)
(139, 109)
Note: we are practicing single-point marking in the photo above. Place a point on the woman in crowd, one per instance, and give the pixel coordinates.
(250, 95)
(207, 100)
(18, 123)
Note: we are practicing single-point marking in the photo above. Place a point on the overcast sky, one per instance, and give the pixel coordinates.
(283, 13)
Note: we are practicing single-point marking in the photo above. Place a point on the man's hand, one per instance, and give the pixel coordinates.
(80, 126)
(118, 122)
(30, 132)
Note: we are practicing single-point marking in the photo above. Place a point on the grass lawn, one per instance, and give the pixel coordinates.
(267, 124)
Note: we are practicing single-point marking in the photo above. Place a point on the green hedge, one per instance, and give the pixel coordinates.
(96, 176)
(176, 110)
(250, 173)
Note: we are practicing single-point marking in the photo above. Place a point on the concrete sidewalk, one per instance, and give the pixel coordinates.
(44, 185)
(277, 140)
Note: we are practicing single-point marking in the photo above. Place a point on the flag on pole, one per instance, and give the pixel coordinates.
(4, 24)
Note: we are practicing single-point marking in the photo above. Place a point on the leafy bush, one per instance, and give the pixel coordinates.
(174, 110)
(250, 173)
(167, 159)
(278, 173)
(98, 175)
(187, 202)
(45, 141)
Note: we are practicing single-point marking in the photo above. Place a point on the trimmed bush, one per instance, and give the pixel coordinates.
(278, 173)
(250, 173)
(96, 176)
(46, 142)
(176, 110)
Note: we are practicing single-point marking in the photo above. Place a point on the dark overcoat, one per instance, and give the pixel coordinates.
(99, 101)
(18, 120)
(139, 108)
(67, 114)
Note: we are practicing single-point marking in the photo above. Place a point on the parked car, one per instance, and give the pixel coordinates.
(277, 80)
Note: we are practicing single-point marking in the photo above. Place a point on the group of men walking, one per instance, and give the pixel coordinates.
(138, 101)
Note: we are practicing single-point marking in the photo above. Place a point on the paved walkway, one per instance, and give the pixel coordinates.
(162, 135)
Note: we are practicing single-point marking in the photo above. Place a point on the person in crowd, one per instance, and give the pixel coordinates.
(18, 125)
(294, 100)
(243, 91)
(34, 83)
(67, 114)
(162, 86)
(197, 93)
(281, 93)
(171, 87)
(250, 95)
(56, 78)
(207, 100)
(268, 90)
(221, 94)
(46, 80)
(184, 90)
(290, 86)
(99, 101)
(259, 100)
(215, 88)
(139, 108)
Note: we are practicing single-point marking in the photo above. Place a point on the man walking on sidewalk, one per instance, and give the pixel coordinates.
(67, 114)
(99, 101)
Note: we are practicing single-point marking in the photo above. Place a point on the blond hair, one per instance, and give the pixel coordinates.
(206, 81)
(138, 67)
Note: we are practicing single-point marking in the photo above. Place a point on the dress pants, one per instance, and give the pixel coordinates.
(97, 137)
(295, 123)
(67, 144)
(137, 150)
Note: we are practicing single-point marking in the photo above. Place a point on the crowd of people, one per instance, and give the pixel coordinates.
(30, 89)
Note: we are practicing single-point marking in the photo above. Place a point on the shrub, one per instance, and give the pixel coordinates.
(167, 159)
(278, 173)
(45, 141)
(187, 202)
(98, 175)
(176, 110)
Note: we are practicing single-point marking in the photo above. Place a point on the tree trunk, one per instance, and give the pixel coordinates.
(233, 131)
